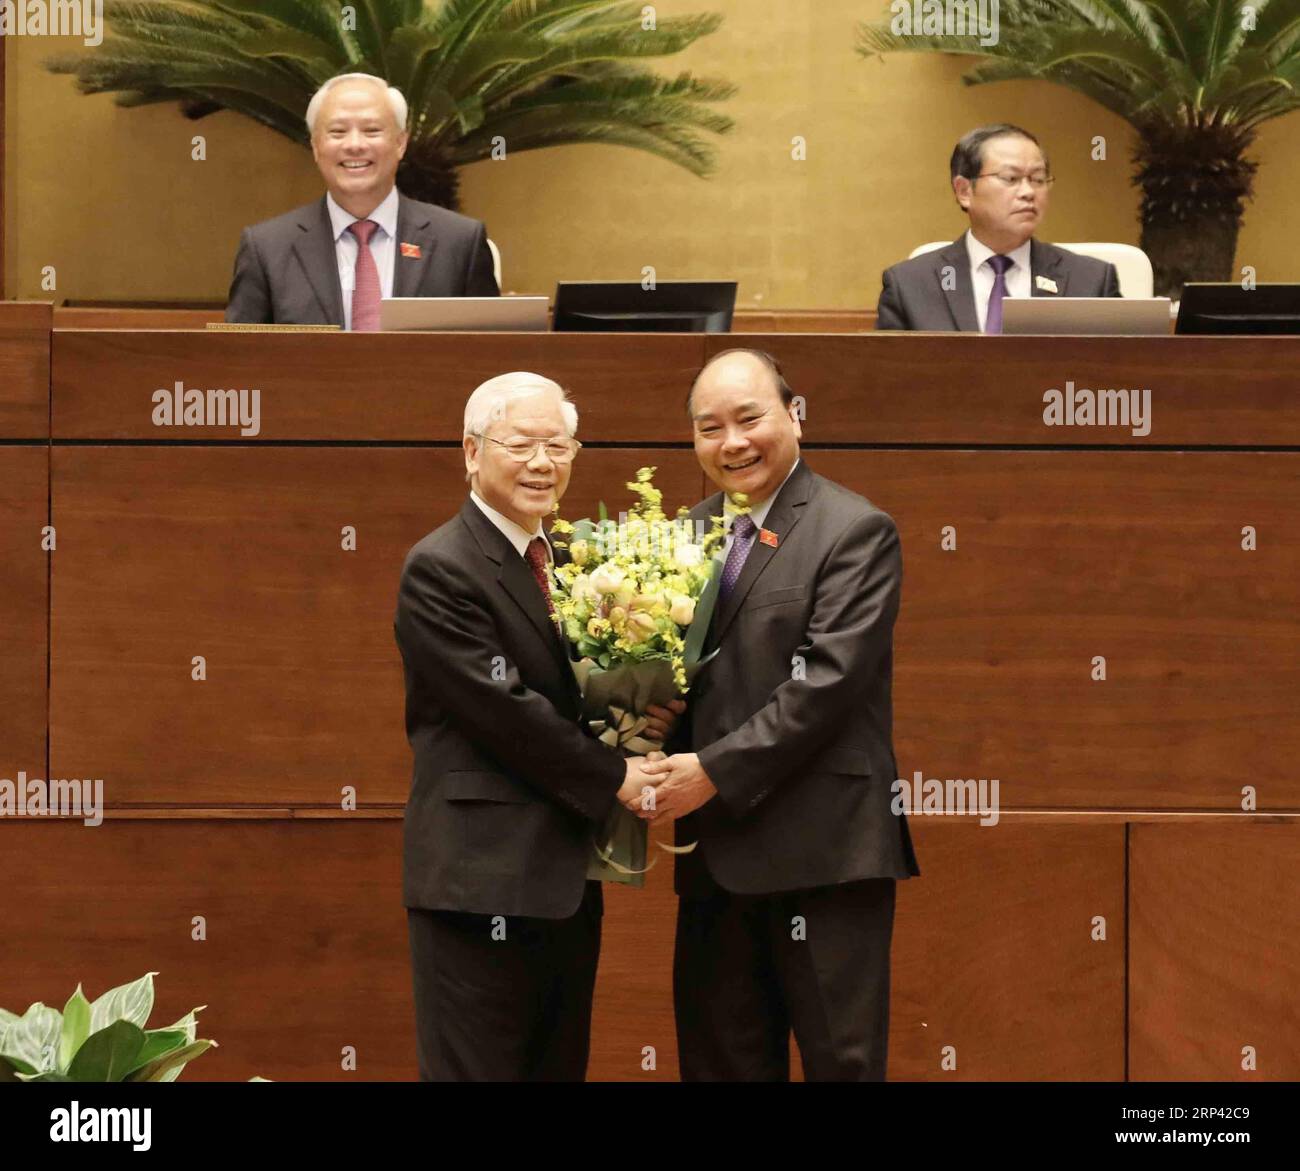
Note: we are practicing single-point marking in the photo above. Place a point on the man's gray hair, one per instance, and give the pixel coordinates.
(488, 402)
(396, 101)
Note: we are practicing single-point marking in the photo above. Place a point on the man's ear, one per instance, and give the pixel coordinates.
(402, 144)
(471, 456)
(962, 189)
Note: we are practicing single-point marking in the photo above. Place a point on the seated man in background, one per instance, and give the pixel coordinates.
(1001, 179)
(332, 261)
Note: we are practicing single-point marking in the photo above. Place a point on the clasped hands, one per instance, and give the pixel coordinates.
(677, 785)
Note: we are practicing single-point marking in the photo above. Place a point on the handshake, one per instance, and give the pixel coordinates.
(657, 787)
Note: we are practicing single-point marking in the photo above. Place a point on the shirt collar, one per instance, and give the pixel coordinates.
(519, 537)
(979, 252)
(759, 514)
(385, 215)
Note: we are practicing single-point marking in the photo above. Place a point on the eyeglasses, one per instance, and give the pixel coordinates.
(1038, 181)
(523, 450)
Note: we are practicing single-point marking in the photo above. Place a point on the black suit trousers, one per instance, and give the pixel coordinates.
(504, 1010)
(748, 969)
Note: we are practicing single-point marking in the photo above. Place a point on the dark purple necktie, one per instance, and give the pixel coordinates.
(742, 530)
(993, 321)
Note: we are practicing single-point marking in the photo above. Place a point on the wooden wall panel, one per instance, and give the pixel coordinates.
(993, 954)
(234, 554)
(306, 946)
(968, 389)
(1215, 950)
(866, 388)
(361, 387)
(1062, 556)
(24, 572)
(24, 368)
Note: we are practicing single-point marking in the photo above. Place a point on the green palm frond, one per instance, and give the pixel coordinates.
(532, 72)
(1184, 62)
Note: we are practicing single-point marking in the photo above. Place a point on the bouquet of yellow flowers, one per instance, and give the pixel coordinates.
(635, 598)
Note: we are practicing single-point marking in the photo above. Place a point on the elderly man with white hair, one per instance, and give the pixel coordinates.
(509, 785)
(334, 260)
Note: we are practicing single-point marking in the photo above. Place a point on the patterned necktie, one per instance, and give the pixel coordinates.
(365, 284)
(742, 530)
(993, 322)
(536, 557)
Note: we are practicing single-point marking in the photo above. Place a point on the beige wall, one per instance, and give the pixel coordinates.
(113, 200)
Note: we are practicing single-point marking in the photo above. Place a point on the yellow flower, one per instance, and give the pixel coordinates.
(683, 610)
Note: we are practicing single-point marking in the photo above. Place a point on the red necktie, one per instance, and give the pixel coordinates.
(537, 558)
(365, 284)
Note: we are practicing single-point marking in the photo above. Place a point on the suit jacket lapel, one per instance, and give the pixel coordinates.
(516, 578)
(781, 519)
(1045, 260)
(413, 227)
(961, 300)
(316, 253)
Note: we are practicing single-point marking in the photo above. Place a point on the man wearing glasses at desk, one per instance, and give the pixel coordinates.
(1001, 179)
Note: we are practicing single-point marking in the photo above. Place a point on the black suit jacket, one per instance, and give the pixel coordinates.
(913, 295)
(286, 270)
(508, 786)
(792, 719)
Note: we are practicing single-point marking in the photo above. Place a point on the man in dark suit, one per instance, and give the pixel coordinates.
(786, 767)
(1001, 179)
(332, 261)
(508, 784)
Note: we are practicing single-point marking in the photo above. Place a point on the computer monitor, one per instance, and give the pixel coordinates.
(630, 307)
(1226, 307)
(1072, 316)
(470, 314)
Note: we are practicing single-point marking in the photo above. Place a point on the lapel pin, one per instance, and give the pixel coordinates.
(768, 537)
(1045, 283)
(413, 251)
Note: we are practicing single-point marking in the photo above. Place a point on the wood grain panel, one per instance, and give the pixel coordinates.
(968, 389)
(24, 572)
(104, 316)
(1215, 952)
(25, 369)
(993, 954)
(1063, 556)
(234, 554)
(306, 949)
(402, 387)
(306, 946)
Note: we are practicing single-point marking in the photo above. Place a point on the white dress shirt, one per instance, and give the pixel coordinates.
(758, 514)
(382, 247)
(1018, 276)
(519, 537)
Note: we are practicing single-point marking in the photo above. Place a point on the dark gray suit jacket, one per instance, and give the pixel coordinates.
(792, 719)
(286, 270)
(508, 785)
(913, 295)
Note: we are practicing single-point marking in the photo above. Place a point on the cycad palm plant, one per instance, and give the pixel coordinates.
(480, 75)
(1195, 78)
